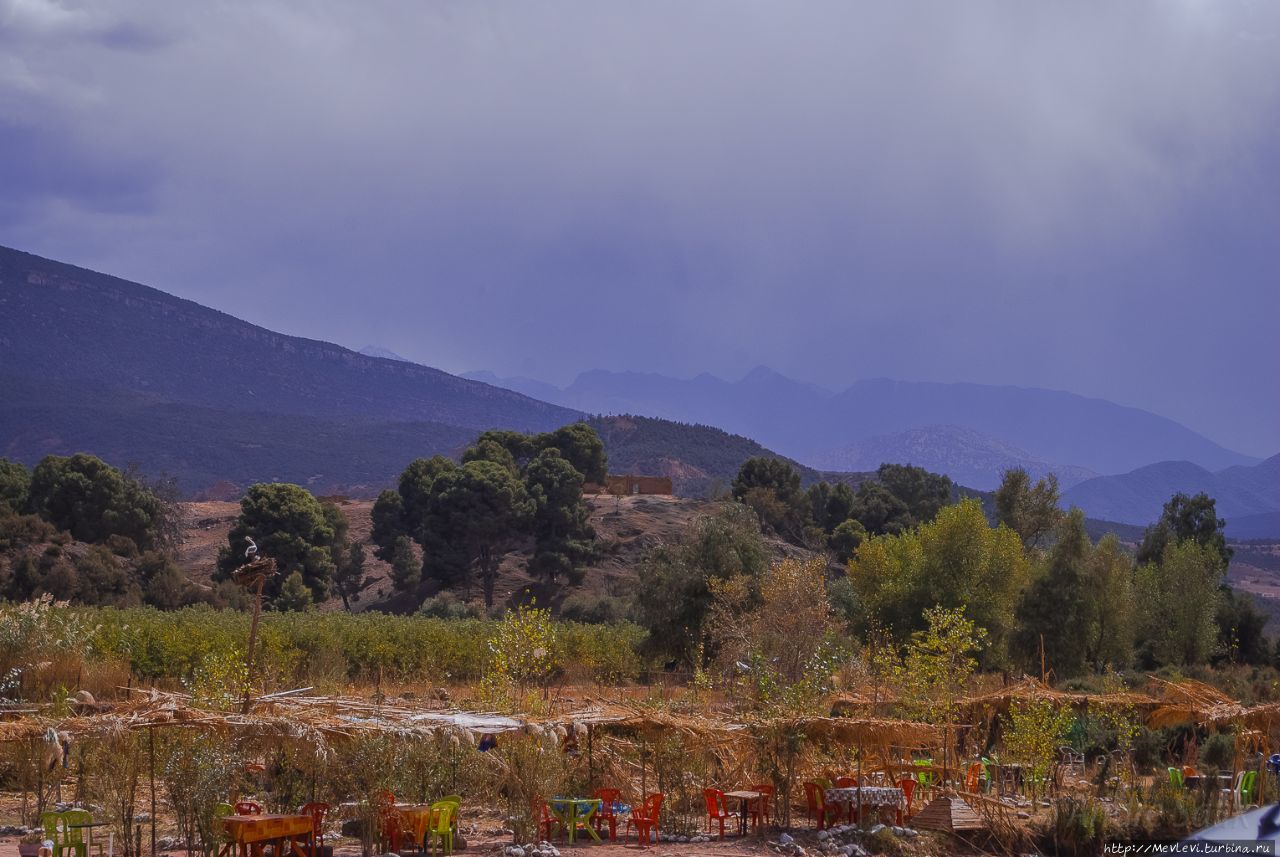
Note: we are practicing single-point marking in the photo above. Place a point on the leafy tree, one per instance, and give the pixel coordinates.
(484, 508)
(164, 583)
(673, 592)
(522, 654)
(1033, 735)
(1110, 609)
(1029, 510)
(845, 540)
(294, 594)
(939, 663)
(349, 577)
(521, 446)
(922, 492)
(1241, 625)
(15, 485)
(94, 501)
(782, 637)
(290, 526)
(1053, 611)
(487, 449)
(831, 504)
(579, 444)
(1186, 518)
(1180, 598)
(563, 538)
(879, 510)
(771, 487)
(955, 561)
(389, 523)
(406, 571)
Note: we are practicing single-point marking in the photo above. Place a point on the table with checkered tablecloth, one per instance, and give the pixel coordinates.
(872, 796)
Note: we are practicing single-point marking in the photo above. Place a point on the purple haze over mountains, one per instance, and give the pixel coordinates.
(1067, 196)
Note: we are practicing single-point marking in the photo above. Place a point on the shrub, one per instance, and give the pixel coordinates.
(446, 605)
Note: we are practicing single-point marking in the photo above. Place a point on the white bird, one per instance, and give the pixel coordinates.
(252, 550)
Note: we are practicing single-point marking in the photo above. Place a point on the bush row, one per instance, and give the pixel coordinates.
(328, 648)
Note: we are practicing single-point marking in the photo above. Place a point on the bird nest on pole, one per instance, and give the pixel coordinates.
(254, 574)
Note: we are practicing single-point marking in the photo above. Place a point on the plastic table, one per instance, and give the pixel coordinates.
(574, 811)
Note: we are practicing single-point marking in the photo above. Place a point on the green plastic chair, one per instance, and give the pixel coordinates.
(51, 823)
(77, 838)
(924, 778)
(441, 826)
(1175, 778)
(1248, 788)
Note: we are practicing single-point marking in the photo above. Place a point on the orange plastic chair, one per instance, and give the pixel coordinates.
(846, 782)
(606, 815)
(248, 807)
(317, 812)
(760, 808)
(645, 820)
(818, 807)
(908, 786)
(973, 779)
(1189, 771)
(716, 811)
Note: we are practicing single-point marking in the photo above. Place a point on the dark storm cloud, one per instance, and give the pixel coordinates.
(1072, 195)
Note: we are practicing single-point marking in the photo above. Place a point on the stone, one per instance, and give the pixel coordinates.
(786, 839)
(1024, 815)
(824, 835)
(876, 829)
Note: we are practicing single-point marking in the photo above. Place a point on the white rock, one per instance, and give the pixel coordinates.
(786, 839)
(876, 829)
(824, 835)
(910, 832)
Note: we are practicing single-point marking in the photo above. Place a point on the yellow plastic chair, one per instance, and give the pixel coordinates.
(441, 826)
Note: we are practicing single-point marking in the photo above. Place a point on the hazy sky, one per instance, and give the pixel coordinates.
(1078, 195)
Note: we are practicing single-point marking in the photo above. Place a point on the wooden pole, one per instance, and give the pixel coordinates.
(151, 738)
(253, 641)
(860, 822)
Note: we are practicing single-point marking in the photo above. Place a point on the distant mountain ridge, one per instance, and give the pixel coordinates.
(61, 322)
(1248, 496)
(968, 457)
(812, 424)
(92, 363)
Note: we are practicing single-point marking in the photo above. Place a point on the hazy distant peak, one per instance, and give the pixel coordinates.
(384, 353)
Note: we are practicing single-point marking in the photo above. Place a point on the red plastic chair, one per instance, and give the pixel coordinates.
(645, 820)
(248, 807)
(388, 821)
(606, 815)
(716, 810)
(760, 808)
(317, 812)
(908, 787)
(544, 820)
(817, 806)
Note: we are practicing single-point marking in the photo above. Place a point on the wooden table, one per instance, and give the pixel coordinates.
(746, 797)
(248, 834)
